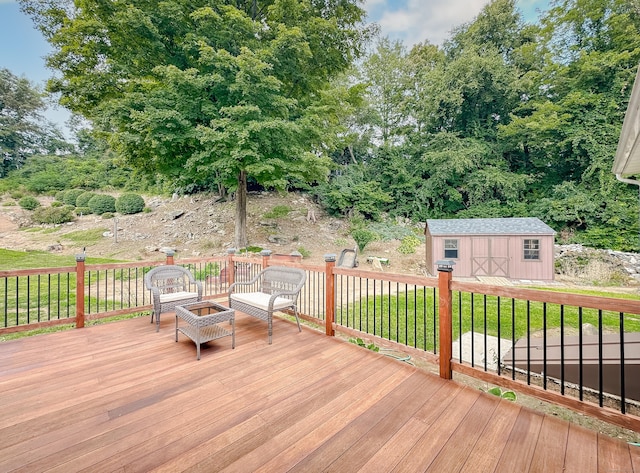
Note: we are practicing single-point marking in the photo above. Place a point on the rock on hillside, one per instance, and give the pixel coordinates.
(199, 225)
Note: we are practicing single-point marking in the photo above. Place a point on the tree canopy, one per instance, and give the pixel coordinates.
(207, 92)
(504, 119)
(23, 130)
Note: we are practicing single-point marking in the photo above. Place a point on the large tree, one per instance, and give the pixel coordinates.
(207, 92)
(23, 130)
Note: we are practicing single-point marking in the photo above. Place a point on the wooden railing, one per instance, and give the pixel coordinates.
(459, 326)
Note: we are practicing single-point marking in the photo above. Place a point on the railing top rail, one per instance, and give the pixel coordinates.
(561, 298)
(36, 271)
(401, 278)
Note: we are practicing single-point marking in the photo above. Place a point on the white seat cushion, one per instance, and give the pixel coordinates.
(177, 296)
(261, 300)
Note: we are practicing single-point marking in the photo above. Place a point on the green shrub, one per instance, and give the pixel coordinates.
(59, 196)
(28, 202)
(409, 245)
(278, 211)
(71, 195)
(83, 199)
(45, 182)
(83, 210)
(304, 252)
(108, 215)
(16, 194)
(102, 203)
(54, 215)
(129, 203)
(56, 203)
(363, 236)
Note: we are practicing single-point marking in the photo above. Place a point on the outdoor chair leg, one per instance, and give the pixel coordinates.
(295, 312)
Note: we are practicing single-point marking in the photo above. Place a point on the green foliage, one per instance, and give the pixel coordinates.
(29, 202)
(278, 211)
(129, 203)
(85, 237)
(108, 215)
(352, 192)
(369, 346)
(388, 231)
(409, 245)
(250, 249)
(83, 199)
(363, 236)
(304, 252)
(83, 210)
(55, 203)
(24, 132)
(71, 196)
(52, 215)
(56, 174)
(208, 94)
(102, 203)
(209, 269)
(508, 395)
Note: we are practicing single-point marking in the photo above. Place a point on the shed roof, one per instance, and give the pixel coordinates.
(490, 226)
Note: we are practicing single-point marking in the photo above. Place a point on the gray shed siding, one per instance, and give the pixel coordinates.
(493, 247)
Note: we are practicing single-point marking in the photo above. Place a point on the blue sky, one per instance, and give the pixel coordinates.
(22, 48)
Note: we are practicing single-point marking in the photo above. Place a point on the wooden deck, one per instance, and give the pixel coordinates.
(121, 397)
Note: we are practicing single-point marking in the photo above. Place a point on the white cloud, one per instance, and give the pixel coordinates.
(414, 21)
(420, 20)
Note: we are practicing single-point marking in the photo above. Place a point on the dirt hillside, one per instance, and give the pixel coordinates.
(199, 225)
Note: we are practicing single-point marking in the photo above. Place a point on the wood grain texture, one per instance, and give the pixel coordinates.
(121, 397)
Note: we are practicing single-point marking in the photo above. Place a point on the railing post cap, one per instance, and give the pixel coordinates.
(80, 257)
(266, 253)
(169, 252)
(445, 265)
(330, 257)
(231, 251)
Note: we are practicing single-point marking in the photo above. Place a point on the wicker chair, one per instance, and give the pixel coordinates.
(171, 286)
(272, 289)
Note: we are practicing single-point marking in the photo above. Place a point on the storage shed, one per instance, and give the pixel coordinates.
(517, 248)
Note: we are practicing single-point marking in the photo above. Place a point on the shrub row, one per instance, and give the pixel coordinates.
(87, 202)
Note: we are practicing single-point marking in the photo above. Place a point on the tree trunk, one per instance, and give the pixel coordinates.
(241, 211)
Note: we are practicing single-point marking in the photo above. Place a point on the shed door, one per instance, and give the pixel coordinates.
(490, 256)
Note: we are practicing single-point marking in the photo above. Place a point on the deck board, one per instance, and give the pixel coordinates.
(121, 397)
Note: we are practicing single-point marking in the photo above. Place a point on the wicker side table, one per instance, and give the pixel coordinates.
(202, 319)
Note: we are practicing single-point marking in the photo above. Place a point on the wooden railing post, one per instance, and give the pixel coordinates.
(170, 254)
(231, 268)
(445, 315)
(265, 258)
(330, 263)
(80, 258)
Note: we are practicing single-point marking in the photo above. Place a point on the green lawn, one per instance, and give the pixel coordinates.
(11, 259)
(392, 317)
(37, 298)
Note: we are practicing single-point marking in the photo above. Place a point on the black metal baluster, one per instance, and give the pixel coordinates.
(544, 345)
(600, 364)
(28, 299)
(499, 339)
(472, 333)
(513, 339)
(460, 326)
(562, 349)
(528, 342)
(580, 366)
(484, 307)
(623, 401)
